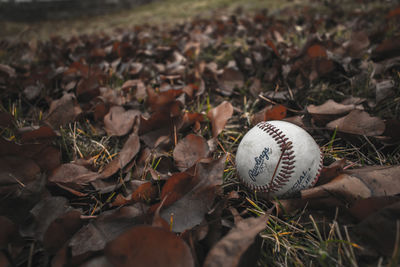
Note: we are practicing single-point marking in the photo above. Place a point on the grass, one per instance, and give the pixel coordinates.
(158, 13)
(290, 240)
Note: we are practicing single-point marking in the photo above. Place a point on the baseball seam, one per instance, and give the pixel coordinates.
(288, 158)
(319, 169)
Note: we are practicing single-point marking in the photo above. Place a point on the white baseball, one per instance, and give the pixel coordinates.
(278, 158)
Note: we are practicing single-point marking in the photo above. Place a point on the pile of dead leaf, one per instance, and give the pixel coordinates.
(119, 150)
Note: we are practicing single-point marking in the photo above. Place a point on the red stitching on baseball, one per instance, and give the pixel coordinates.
(319, 169)
(287, 159)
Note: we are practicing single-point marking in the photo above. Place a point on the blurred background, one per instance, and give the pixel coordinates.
(41, 19)
(39, 10)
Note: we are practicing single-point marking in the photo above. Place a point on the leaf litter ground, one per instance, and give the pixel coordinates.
(119, 149)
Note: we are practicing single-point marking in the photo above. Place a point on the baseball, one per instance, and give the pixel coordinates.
(278, 158)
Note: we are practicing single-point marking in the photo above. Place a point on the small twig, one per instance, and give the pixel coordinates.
(227, 153)
(16, 179)
(377, 152)
(274, 103)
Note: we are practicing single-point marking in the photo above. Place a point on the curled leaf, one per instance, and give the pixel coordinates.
(219, 117)
(358, 122)
(148, 246)
(189, 150)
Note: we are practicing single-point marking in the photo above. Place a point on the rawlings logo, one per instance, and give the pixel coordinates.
(259, 166)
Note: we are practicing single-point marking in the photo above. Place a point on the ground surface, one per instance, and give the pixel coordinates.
(119, 138)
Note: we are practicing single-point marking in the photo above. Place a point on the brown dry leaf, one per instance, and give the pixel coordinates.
(145, 193)
(127, 153)
(190, 119)
(219, 117)
(375, 181)
(119, 121)
(229, 250)
(8, 70)
(48, 159)
(358, 122)
(331, 171)
(255, 87)
(328, 111)
(189, 150)
(44, 212)
(229, 80)
(277, 112)
(106, 227)
(149, 246)
(363, 208)
(316, 51)
(175, 188)
(357, 45)
(389, 48)
(88, 88)
(392, 131)
(189, 210)
(138, 85)
(61, 229)
(8, 232)
(158, 221)
(380, 229)
(73, 173)
(161, 101)
(62, 111)
(16, 172)
(349, 187)
(43, 132)
(384, 89)
(270, 112)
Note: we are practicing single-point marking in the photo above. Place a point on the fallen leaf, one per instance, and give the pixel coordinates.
(348, 188)
(145, 193)
(357, 45)
(106, 227)
(389, 48)
(384, 90)
(316, 51)
(61, 230)
(8, 232)
(379, 229)
(48, 159)
(329, 111)
(62, 111)
(229, 80)
(162, 100)
(277, 112)
(43, 132)
(15, 173)
(189, 210)
(229, 250)
(138, 85)
(358, 122)
(189, 150)
(149, 246)
(119, 121)
(88, 88)
(331, 171)
(43, 213)
(363, 208)
(8, 70)
(127, 153)
(219, 117)
(72, 173)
